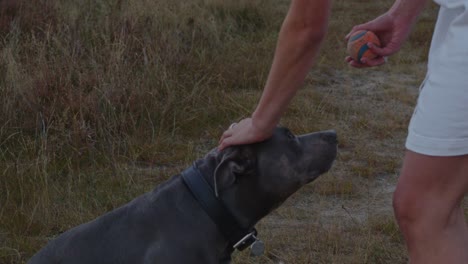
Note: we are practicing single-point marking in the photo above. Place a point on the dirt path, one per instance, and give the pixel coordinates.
(346, 216)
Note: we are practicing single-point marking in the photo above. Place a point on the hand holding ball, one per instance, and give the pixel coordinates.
(357, 45)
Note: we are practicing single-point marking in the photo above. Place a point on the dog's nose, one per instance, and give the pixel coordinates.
(329, 136)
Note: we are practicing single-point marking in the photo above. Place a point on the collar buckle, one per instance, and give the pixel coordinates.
(257, 247)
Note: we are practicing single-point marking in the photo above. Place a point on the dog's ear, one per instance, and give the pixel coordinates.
(235, 162)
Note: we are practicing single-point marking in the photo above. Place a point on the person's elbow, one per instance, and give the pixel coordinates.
(309, 20)
(314, 34)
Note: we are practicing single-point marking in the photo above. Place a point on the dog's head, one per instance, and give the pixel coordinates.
(255, 179)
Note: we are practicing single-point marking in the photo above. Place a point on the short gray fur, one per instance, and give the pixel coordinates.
(167, 225)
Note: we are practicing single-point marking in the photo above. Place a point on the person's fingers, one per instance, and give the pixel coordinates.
(381, 51)
(348, 35)
(228, 141)
(366, 26)
(374, 62)
(223, 144)
(353, 63)
(225, 135)
(356, 64)
(232, 125)
(225, 141)
(228, 132)
(354, 29)
(365, 62)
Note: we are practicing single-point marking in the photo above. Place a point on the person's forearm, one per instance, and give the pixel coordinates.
(299, 41)
(407, 10)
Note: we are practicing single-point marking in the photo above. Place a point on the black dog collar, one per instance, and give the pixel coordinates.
(238, 237)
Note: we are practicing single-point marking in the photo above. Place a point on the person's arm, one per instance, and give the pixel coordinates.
(301, 34)
(407, 11)
(298, 44)
(392, 28)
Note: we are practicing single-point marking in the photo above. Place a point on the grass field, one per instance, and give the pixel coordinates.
(102, 100)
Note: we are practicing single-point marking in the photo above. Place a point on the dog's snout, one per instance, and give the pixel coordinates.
(329, 136)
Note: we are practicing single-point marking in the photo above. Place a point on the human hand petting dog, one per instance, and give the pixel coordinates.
(244, 132)
(299, 40)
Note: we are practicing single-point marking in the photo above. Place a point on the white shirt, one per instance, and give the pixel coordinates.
(449, 45)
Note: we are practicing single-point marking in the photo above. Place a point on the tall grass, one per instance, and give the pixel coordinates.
(101, 100)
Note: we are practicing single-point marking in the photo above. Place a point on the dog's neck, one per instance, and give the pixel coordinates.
(207, 168)
(223, 246)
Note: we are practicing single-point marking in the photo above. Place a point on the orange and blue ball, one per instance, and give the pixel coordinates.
(357, 45)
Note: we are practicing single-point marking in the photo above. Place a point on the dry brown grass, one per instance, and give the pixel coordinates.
(102, 100)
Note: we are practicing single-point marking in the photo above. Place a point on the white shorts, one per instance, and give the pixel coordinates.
(439, 126)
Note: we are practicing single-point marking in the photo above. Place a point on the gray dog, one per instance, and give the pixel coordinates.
(202, 215)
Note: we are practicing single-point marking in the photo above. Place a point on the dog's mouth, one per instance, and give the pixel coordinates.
(316, 173)
(327, 164)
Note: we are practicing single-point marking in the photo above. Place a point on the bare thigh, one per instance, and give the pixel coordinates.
(433, 185)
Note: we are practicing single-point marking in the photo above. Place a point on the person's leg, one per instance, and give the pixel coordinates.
(427, 208)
